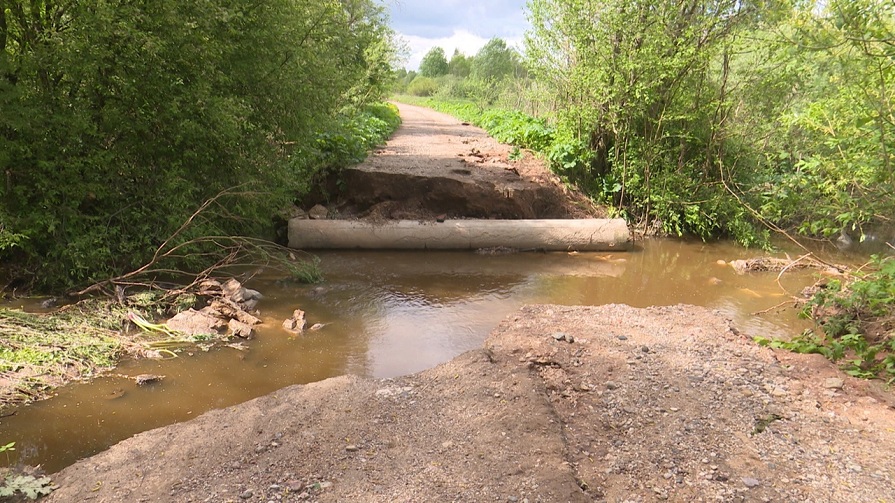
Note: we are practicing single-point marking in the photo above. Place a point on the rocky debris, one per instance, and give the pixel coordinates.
(246, 298)
(192, 322)
(296, 323)
(317, 326)
(229, 307)
(240, 329)
(318, 212)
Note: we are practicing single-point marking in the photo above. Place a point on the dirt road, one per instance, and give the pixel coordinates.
(561, 404)
(436, 165)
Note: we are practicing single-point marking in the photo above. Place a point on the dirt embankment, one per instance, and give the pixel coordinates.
(562, 404)
(436, 165)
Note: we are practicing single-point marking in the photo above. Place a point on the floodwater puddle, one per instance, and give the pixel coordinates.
(386, 314)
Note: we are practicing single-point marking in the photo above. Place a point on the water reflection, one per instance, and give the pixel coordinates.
(387, 314)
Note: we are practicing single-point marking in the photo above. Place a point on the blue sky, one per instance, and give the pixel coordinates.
(455, 24)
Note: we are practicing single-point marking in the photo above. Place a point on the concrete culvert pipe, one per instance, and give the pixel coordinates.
(580, 235)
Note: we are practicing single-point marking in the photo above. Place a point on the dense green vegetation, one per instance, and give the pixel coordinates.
(855, 322)
(707, 117)
(119, 119)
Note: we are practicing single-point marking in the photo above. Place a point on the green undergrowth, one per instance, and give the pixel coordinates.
(45, 349)
(41, 351)
(854, 322)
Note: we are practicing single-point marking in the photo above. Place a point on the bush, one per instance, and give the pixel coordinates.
(422, 86)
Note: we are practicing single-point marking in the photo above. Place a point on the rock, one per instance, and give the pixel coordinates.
(645, 349)
(750, 482)
(622, 338)
(226, 308)
(351, 448)
(296, 323)
(233, 290)
(49, 303)
(249, 294)
(611, 385)
(247, 494)
(834, 383)
(318, 212)
(194, 322)
(317, 326)
(559, 336)
(293, 212)
(144, 379)
(240, 329)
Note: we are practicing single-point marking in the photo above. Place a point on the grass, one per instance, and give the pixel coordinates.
(41, 351)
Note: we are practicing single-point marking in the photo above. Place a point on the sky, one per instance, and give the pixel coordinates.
(466, 25)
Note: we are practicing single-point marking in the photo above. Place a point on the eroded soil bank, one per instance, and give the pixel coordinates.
(606, 403)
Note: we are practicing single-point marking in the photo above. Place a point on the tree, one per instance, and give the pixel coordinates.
(434, 63)
(495, 61)
(644, 100)
(459, 65)
(120, 118)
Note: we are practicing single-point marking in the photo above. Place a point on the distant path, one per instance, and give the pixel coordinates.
(436, 164)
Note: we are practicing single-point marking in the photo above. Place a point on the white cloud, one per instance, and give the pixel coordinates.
(455, 24)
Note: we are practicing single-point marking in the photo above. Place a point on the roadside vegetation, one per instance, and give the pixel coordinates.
(716, 119)
(120, 120)
(148, 147)
(854, 322)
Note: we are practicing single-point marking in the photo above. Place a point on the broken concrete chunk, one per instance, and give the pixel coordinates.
(194, 322)
(240, 329)
(296, 323)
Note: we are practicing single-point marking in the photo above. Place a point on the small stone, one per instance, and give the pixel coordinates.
(351, 448)
(559, 336)
(240, 329)
(325, 485)
(570, 338)
(611, 385)
(247, 494)
(622, 338)
(144, 379)
(834, 383)
(645, 349)
(750, 482)
(318, 212)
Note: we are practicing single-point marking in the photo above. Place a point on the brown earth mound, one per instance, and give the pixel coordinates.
(604, 403)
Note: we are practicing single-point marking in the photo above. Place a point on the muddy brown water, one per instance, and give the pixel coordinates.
(387, 314)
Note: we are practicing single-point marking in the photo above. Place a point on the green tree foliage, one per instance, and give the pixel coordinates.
(119, 119)
(459, 65)
(495, 61)
(707, 116)
(834, 140)
(434, 63)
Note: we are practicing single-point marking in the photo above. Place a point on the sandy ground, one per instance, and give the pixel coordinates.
(659, 404)
(561, 404)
